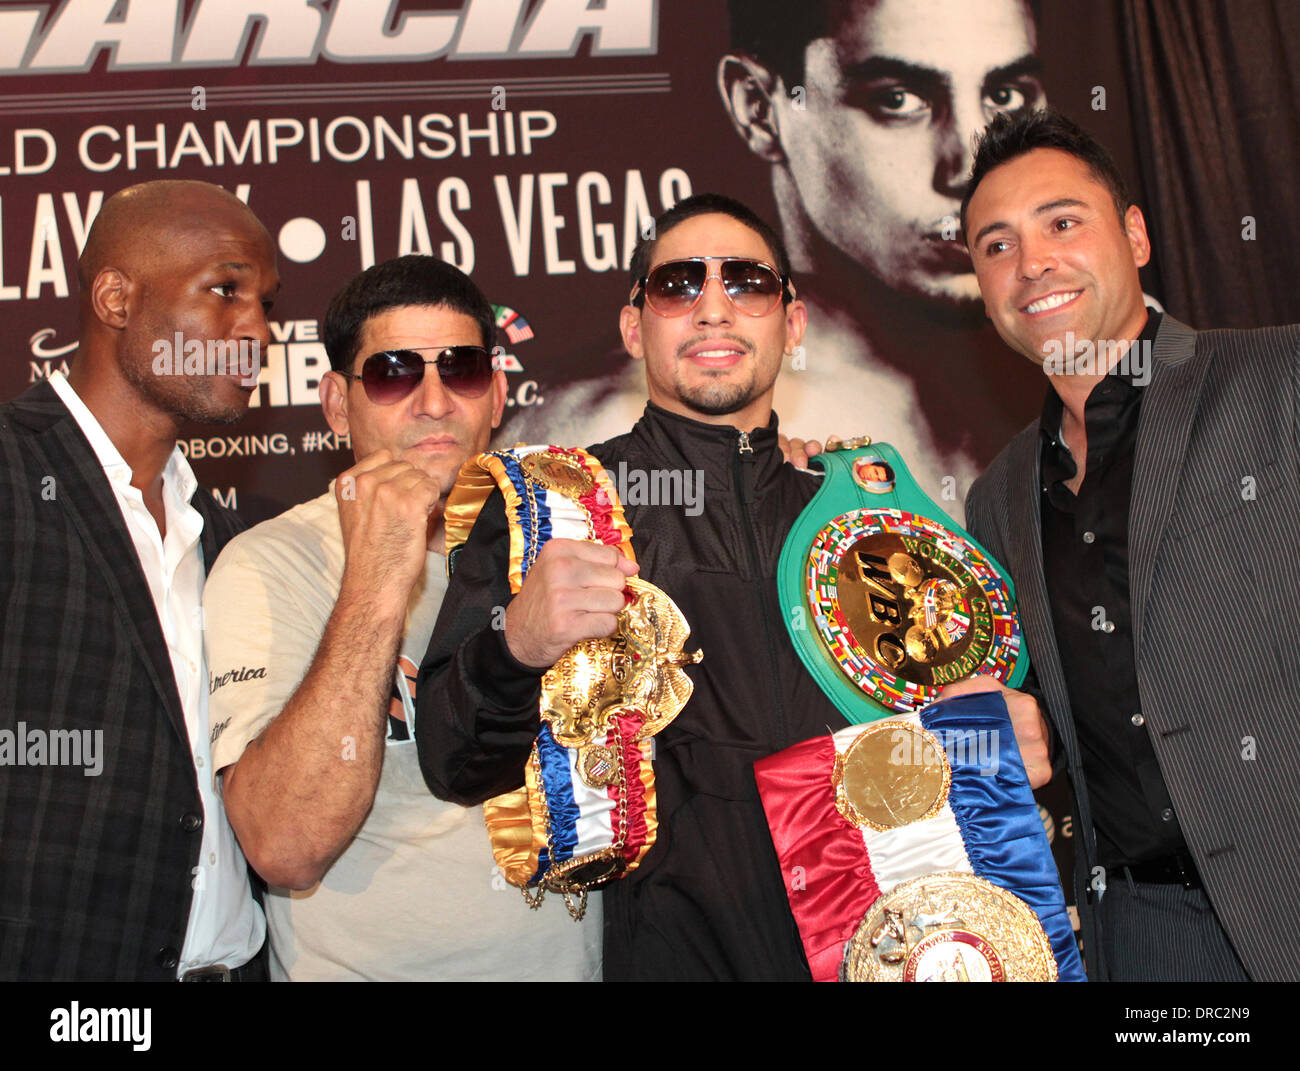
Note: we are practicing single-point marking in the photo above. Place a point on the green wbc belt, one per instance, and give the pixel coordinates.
(887, 599)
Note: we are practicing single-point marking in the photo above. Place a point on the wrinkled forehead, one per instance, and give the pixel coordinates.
(961, 40)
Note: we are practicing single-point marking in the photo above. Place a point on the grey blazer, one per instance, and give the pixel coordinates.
(1214, 544)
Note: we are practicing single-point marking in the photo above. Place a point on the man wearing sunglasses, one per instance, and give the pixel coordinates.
(711, 313)
(316, 621)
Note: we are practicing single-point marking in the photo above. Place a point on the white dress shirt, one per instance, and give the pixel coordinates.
(226, 926)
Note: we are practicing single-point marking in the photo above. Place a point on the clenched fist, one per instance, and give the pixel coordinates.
(384, 509)
(1027, 722)
(573, 592)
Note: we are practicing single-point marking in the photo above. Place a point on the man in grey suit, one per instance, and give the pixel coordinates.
(1150, 522)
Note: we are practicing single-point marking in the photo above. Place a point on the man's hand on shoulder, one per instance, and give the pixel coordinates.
(384, 509)
(1027, 722)
(573, 592)
(798, 451)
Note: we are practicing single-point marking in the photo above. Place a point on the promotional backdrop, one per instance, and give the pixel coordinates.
(529, 141)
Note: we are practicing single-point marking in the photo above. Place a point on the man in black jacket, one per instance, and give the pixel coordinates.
(711, 313)
(708, 901)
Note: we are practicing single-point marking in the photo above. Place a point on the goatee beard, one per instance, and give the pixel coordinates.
(720, 400)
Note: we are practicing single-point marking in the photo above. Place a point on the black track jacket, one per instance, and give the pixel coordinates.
(708, 900)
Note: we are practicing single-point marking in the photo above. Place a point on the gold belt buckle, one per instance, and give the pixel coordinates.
(638, 669)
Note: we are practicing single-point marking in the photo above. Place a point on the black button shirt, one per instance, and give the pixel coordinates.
(1086, 560)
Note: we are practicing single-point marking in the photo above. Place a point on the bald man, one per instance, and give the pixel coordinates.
(116, 859)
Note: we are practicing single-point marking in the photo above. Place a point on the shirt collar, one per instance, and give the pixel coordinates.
(177, 474)
(711, 448)
(1133, 378)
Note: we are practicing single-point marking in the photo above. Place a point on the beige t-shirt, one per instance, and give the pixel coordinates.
(417, 894)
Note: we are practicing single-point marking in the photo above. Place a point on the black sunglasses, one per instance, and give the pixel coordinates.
(675, 287)
(389, 376)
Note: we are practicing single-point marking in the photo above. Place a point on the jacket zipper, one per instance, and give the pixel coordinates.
(745, 456)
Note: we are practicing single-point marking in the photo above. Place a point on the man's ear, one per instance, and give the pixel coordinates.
(747, 89)
(629, 325)
(109, 291)
(499, 389)
(796, 322)
(1135, 227)
(334, 401)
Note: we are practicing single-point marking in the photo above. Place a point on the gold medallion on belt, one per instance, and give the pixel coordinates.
(567, 475)
(949, 927)
(637, 672)
(893, 774)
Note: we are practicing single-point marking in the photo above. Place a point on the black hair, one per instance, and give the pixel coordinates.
(777, 32)
(1009, 137)
(404, 281)
(705, 204)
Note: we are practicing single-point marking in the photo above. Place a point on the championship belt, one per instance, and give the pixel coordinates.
(911, 840)
(888, 599)
(586, 813)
